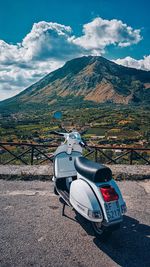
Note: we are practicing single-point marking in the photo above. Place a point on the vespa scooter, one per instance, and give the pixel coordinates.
(87, 186)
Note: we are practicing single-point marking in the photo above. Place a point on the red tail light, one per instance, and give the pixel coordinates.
(109, 193)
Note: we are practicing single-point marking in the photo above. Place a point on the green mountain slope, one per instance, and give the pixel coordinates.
(89, 79)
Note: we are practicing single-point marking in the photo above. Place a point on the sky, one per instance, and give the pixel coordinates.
(37, 37)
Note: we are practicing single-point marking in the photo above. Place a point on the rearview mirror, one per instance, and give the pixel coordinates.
(57, 115)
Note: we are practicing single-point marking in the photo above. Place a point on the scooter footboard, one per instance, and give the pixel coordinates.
(84, 201)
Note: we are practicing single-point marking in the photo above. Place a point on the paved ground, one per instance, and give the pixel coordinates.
(33, 232)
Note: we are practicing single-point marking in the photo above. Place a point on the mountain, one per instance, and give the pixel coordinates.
(90, 79)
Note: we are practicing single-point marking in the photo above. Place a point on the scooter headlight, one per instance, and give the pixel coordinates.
(95, 214)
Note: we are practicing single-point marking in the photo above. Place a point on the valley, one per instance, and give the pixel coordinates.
(106, 124)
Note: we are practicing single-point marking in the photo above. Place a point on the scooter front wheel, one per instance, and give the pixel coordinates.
(101, 232)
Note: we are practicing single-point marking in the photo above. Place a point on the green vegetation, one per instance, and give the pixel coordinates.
(105, 124)
(109, 124)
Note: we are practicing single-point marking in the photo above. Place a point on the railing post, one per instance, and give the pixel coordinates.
(96, 154)
(32, 154)
(131, 157)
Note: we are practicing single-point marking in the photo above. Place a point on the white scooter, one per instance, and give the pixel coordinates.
(87, 186)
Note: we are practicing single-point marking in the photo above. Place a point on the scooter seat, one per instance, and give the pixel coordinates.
(93, 171)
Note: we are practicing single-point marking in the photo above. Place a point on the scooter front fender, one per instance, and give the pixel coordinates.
(84, 201)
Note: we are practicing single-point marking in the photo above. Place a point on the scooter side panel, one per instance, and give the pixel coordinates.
(64, 164)
(83, 199)
(96, 186)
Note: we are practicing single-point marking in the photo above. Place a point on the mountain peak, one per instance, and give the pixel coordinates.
(92, 78)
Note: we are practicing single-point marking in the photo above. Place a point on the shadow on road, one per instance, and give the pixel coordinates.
(129, 246)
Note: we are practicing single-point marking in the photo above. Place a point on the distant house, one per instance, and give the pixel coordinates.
(117, 151)
(112, 137)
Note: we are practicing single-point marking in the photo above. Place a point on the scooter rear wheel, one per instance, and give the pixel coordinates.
(101, 232)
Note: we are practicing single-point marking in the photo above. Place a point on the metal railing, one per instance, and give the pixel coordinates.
(129, 155)
(29, 154)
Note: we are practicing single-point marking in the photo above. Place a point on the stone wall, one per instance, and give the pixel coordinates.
(45, 172)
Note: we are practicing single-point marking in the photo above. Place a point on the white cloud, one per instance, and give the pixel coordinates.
(9, 53)
(14, 78)
(49, 40)
(101, 32)
(143, 64)
(49, 45)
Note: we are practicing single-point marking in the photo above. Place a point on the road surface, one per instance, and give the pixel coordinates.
(33, 232)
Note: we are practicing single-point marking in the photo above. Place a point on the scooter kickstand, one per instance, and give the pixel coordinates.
(63, 209)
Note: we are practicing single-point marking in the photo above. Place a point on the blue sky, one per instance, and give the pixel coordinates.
(38, 36)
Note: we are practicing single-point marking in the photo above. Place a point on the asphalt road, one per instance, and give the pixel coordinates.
(33, 232)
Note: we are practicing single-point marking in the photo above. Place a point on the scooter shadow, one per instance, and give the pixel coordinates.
(129, 246)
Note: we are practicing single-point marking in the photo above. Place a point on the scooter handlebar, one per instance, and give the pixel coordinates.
(84, 144)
